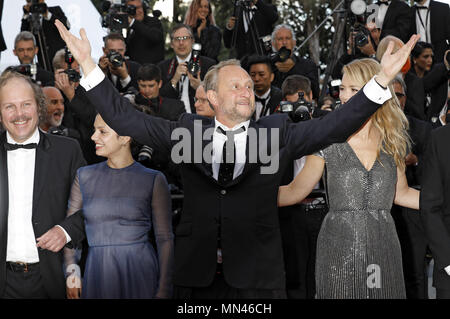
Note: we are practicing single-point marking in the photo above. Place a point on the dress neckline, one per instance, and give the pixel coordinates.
(119, 169)
(359, 161)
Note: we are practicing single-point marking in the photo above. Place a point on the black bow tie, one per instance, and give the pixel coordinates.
(421, 7)
(12, 147)
(261, 100)
(383, 2)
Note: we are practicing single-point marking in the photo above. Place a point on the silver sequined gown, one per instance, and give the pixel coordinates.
(358, 252)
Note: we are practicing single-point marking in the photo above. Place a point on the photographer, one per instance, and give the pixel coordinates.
(361, 44)
(50, 34)
(145, 39)
(178, 80)
(267, 96)
(79, 112)
(262, 16)
(25, 49)
(283, 36)
(121, 72)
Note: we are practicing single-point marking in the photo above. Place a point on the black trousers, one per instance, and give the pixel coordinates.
(220, 289)
(24, 284)
(414, 248)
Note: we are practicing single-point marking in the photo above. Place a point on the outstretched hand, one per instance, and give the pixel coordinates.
(80, 48)
(391, 64)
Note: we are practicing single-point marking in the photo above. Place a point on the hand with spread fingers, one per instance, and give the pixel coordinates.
(53, 240)
(80, 48)
(391, 64)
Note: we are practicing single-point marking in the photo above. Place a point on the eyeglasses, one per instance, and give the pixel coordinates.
(399, 95)
(200, 100)
(179, 39)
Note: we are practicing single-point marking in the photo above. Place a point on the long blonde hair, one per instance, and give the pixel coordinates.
(389, 119)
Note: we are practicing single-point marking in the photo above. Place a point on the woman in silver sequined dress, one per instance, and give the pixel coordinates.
(358, 252)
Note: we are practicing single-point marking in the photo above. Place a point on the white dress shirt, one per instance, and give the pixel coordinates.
(123, 82)
(259, 106)
(184, 82)
(21, 244)
(382, 13)
(423, 22)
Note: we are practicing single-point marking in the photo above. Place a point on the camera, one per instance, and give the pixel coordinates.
(298, 111)
(362, 36)
(282, 55)
(58, 131)
(194, 62)
(73, 74)
(116, 14)
(115, 58)
(333, 88)
(36, 7)
(25, 69)
(145, 154)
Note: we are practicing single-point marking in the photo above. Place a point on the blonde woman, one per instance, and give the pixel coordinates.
(358, 252)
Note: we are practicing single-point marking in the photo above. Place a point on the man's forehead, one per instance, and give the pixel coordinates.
(284, 32)
(25, 43)
(181, 32)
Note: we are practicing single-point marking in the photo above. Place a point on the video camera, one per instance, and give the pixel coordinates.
(73, 74)
(115, 14)
(298, 111)
(194, 63)
(282, 55)
(36, 7)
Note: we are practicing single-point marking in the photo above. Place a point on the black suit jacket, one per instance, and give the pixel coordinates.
(57, 160)
(167, 108)
(168, 68)
(249, 228)
(132, 68)
(145, 41)
(264, 18)
(398, 21)
(274, 102)
(52, 37)
(439, 17)
(435, 203)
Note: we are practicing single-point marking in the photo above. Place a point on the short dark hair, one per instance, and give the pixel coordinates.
(178, 27)
(113, 36)
(419, 48)
(258, 59)
(294, 83)
(148, 72)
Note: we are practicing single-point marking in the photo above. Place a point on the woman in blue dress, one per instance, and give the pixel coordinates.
(122, 201)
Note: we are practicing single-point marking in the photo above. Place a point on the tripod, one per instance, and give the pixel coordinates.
(241, 6)
(36, 29)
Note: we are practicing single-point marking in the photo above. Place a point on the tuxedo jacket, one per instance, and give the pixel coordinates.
(435, 203)
(168, 68)
(274, 102)
(439, 18)
(57, 160)
(264, 18)
(145, 41)
(52, 37)
(244, 209)
(398, 21)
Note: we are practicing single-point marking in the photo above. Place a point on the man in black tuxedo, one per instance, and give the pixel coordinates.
(178, 82)
(430, 20)
(25, 49)
(396, 19)
(36, 174)
(228, 243)
(145, 39)
(262, 15)
(267, 96)
(283, 36)
(119, 70)
(53, 41)
(435, 207)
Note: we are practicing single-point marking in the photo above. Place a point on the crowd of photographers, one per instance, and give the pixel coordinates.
(134, 62)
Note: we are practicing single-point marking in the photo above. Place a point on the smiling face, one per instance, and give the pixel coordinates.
(18, 109)
(233, 100)
(107, 142)
(203, 9)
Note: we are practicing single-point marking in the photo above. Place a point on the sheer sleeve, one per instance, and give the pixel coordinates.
(162, 223)
(75, 204)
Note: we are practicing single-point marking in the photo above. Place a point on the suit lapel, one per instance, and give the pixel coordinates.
(41, 168)
(432, 25)
(389, 12)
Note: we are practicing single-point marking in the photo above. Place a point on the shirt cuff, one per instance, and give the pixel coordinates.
(68, 239)
(447, 270)
(131, 23)
(92, 79)
(376, 93)
(49, 16)
(125, 81)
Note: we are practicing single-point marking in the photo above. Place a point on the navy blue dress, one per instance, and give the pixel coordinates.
(120, 207)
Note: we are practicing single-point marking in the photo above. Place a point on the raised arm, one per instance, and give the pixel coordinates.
(404, 195)
(303, 183)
